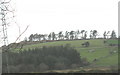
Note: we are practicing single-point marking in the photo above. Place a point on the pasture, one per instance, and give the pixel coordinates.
(100, 55)
(97, 50)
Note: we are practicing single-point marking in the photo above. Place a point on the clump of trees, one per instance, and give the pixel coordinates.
(85, 44)
(68, 35)
(71, 35)
(42, 59)
(107, 35)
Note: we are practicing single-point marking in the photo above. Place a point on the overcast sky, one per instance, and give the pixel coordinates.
(45, 16)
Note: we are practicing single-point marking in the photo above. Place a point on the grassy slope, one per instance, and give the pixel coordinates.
(101, 51)
(75, 43)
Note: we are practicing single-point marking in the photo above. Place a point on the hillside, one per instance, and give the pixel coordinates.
(97, 50)
(100, 54)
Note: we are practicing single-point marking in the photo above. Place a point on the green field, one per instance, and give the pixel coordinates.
(101, 50)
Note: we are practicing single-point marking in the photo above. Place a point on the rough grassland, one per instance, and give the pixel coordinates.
(101, 50)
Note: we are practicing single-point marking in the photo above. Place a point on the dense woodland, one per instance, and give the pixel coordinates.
(42, 59)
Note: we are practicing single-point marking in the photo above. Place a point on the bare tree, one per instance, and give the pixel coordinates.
(4, 10)
(6, 18)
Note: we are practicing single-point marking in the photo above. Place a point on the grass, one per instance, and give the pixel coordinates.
(75, 43)
(101, 50)
(110, 60)
(113, 41)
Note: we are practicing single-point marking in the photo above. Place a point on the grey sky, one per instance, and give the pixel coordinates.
(45, 16)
